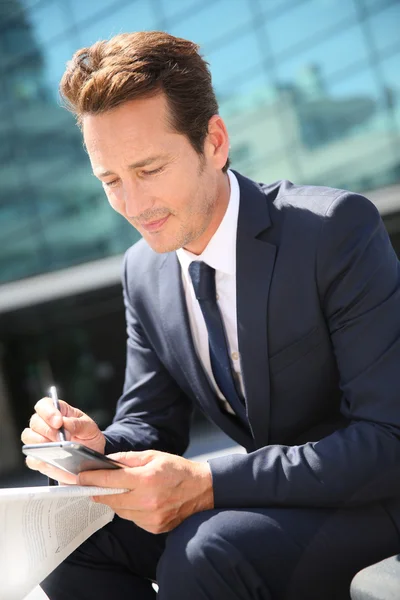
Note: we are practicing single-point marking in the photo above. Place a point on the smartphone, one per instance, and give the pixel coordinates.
(71, 457)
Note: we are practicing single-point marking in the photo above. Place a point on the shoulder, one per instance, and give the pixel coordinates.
(308, 215)
(319, 206)
(319, 200)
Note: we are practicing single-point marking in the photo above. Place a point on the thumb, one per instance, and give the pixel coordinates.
(133, 459)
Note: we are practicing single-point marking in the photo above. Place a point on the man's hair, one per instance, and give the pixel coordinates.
(140, 65)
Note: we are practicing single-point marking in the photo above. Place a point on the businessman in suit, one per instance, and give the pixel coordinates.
(273, 308)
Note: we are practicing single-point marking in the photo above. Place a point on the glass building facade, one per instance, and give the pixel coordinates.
(309, 89)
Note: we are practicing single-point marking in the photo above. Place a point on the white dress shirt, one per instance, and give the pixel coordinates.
(220, 254)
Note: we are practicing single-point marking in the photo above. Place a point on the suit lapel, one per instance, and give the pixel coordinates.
(175, 322)
(254, 267)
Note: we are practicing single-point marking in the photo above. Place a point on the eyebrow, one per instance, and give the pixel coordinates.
(140, 163)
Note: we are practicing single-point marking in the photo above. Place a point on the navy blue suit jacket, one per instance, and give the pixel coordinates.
(318, 310)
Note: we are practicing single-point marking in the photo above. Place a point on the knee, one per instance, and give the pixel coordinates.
(187, 553)
(204, 557)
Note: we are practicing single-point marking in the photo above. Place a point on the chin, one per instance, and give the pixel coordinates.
(161, 246)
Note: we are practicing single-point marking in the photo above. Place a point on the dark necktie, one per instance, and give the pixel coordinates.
(203, 279)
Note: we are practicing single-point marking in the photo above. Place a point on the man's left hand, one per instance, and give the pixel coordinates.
(164, 489)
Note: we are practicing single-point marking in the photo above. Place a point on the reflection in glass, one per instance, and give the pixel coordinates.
(309, 92)
(385, 27)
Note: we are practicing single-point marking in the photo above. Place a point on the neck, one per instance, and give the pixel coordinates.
(219, 209)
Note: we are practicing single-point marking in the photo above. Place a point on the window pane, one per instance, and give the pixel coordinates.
(273, 6)
(174, 9)
(244, 94)
(55, 63)
(82, 12)
(49, 20)
(270, 169)
(213, 22)
(234, 58)
(343, 133)
(135, 16)
(311, 69)
(373, 5)
(385, 27)
(307, 22)
(391, 69)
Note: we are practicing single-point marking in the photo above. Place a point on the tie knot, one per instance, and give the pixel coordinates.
(203, 280)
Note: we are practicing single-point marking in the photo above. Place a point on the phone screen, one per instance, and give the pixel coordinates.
(71, 457)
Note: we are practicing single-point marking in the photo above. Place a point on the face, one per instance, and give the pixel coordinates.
(154, 178)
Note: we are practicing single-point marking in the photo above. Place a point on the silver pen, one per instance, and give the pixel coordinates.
(54, 397)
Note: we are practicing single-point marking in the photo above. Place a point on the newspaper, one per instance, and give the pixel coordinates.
(40, 527)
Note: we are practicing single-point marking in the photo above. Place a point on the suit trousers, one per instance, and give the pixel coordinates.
(230, 554)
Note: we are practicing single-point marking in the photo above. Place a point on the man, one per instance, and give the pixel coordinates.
(276, 310)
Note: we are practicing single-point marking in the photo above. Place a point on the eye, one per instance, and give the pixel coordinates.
(154, 172)
(110, 184)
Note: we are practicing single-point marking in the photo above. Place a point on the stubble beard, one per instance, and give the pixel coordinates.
(205, 211)
(197, 219)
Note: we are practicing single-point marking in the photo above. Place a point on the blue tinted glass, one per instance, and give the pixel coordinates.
(173, 10)
(213, 22)
(49, 20)
(84, 12)
(243, 94)
(268, 169)
(321, 115)
(19, 42)
(135, 16)
(373, 5)
(385, 27)
(21, 257)
(307, 23)
(390, 69)
(9, 10)
(53, 213)
(361, 83)
(327, 58)
(55, 63)
(345, 138)
(272, 6)
(234, 58)
(257, 134)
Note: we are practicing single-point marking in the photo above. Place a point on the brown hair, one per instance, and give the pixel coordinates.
(142, 64)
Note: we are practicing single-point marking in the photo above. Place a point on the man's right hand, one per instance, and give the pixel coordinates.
(44, 427)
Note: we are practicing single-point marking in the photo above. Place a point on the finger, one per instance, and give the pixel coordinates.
(133, 459)
(48, 412)
(42, 427)
(46, 409)
(33, 463)
(82, 427)
(115, 501)
(38, 465)
(112, 478)
(50, 471)
(28, 436)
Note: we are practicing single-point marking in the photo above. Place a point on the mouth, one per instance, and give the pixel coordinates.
(154, 226)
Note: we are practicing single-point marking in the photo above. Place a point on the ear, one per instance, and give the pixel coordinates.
(217, 142)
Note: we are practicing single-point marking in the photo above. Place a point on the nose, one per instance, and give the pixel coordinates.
(135, 200)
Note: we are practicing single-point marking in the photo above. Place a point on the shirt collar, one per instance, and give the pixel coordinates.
(220, 252)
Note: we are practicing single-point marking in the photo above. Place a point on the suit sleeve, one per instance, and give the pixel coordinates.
(358, 281)
(153, 412)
